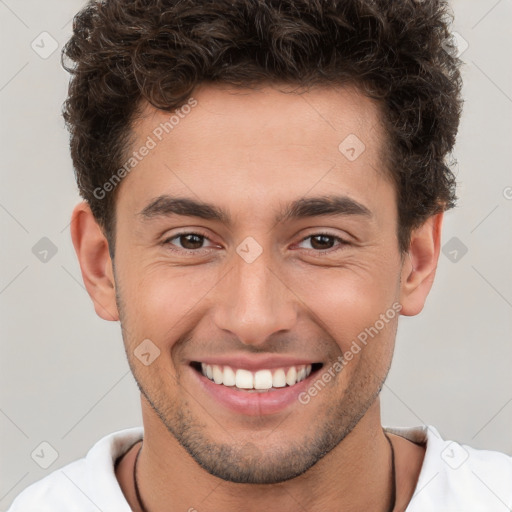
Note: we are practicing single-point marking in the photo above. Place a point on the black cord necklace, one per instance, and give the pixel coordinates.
(135, 484)
(393, 485)
(393, 499)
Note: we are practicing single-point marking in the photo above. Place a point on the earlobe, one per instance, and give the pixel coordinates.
(91, 248)
(419, 267)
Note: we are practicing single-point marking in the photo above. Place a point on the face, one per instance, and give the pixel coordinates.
(248, 240)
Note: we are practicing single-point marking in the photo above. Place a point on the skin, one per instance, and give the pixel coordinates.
(250, 152)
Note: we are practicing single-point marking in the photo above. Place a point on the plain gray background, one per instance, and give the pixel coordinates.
(64, 376)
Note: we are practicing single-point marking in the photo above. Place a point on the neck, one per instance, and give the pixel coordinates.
(361, 464)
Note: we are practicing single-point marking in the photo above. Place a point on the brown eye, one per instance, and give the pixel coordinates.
(191, 242)
(324, 242)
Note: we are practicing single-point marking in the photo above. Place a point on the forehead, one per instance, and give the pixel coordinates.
(279, 114)
(265, 144)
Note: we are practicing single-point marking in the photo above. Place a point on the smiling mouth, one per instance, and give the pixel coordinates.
(261, 381)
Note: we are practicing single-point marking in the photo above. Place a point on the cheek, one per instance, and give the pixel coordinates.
(160, 299)
(351, 299)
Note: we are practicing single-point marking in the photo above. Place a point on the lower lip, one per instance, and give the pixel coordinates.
(253, 403)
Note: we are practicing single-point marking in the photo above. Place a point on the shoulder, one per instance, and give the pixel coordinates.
(87, 484)
(457, 477)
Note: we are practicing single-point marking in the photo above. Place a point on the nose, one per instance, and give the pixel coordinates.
(254, 302)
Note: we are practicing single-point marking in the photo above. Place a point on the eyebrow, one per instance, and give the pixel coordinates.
(166, 205)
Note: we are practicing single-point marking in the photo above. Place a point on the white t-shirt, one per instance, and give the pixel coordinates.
(453, 478)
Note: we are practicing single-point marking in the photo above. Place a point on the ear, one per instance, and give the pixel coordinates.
(91, 248)
(419, 267)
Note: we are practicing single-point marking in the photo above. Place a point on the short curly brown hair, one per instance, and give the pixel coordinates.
(123, 52)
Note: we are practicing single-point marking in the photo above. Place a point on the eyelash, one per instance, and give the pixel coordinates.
(342, 243)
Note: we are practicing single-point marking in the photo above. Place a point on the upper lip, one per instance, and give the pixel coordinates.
(254, 362)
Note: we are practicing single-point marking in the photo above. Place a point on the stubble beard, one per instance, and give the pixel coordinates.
(243, 461)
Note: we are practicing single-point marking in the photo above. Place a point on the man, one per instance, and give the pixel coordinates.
(264, 184)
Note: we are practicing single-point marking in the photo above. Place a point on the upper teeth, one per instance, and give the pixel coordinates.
(262, 379)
